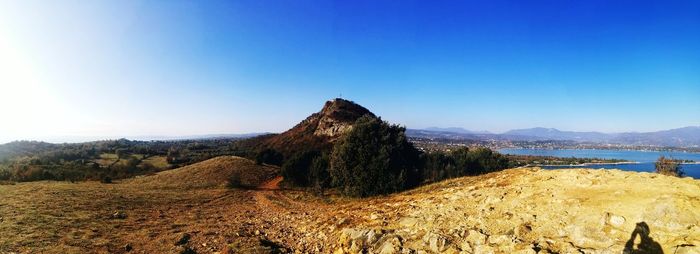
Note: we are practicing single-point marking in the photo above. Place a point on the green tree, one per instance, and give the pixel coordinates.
(296, 168)
(269, 156)
(319, 178)
(234, 180)
(373, 158)
(121, 153)
(437, 166)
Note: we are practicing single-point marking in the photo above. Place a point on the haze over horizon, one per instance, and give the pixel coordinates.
(179, 68)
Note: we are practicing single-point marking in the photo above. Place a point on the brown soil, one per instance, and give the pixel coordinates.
(272, 184)
(520, 210)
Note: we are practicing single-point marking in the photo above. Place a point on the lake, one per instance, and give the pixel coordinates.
(645, 158)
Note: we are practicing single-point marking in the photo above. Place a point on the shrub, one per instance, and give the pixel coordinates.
(234, 180)
(319, 178)
(373, 158)
(668, 166)
(438, 166)
(4, 173)
(269, 156)
(296, 168)
(479, 161)
(460, 162)
(106, 179)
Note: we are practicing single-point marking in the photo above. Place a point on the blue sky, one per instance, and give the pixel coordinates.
(126, 68)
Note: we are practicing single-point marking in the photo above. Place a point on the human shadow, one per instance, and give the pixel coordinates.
(647, 245)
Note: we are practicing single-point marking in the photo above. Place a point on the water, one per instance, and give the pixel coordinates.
(646, 159)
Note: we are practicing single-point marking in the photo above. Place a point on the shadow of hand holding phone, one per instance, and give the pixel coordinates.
(647, 245)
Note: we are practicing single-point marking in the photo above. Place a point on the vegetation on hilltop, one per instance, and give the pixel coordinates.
(375, 157)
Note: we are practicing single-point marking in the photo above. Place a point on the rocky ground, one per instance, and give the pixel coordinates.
(518, 210)
(530, 211)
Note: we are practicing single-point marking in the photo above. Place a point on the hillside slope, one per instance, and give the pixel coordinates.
(214, 172)
(529, 210)
(513, 211)
(319, 130)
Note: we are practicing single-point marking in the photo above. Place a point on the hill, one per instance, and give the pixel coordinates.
(319, 130)
(511, 211)
(455, 130)
(680, 137)
(210, 173)
(530, 211)
(554, 134)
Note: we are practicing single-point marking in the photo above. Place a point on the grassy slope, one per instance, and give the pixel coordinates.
(59, 217)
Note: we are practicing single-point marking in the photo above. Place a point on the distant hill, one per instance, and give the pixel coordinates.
(319, 130)
(455, 130)
(681, 137)
(24, 148)
(554, 134)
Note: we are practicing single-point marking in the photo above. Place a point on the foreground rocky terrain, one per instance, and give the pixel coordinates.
(532, 210)
(189, 210)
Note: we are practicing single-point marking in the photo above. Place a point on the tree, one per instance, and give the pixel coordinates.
(437, 166)
(121, 153)
(234, 180)
(319, 178)
(269, 156)
(173, 155)
(296, 168)
(373, 158)
(460, 162)
(668, 166)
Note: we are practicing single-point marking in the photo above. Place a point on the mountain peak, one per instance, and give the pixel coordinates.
(337, 117)
(320, 129)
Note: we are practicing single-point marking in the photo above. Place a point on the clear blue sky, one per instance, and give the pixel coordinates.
(124, 68)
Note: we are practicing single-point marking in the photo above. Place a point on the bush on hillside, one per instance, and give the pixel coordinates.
(373, 158)
(319, 178)
(106, 179)
(462, 162)
(668, 166)
(479, 161)
(296, 168)
(437, 166)
(234, 180)
(269, 156)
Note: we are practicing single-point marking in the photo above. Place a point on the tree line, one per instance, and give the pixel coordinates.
(374, 158)
(33, 161)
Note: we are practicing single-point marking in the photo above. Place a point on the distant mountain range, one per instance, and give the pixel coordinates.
(80, 139)
(681, 137)
(455, 130)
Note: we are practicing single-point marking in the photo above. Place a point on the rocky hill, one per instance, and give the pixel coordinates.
(318, 130)
(531, 211)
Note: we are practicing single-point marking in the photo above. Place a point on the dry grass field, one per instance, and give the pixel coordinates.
(186, 209)
(189, 210)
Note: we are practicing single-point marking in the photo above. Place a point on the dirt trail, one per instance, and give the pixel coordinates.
(288, 217)
(272, 184)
